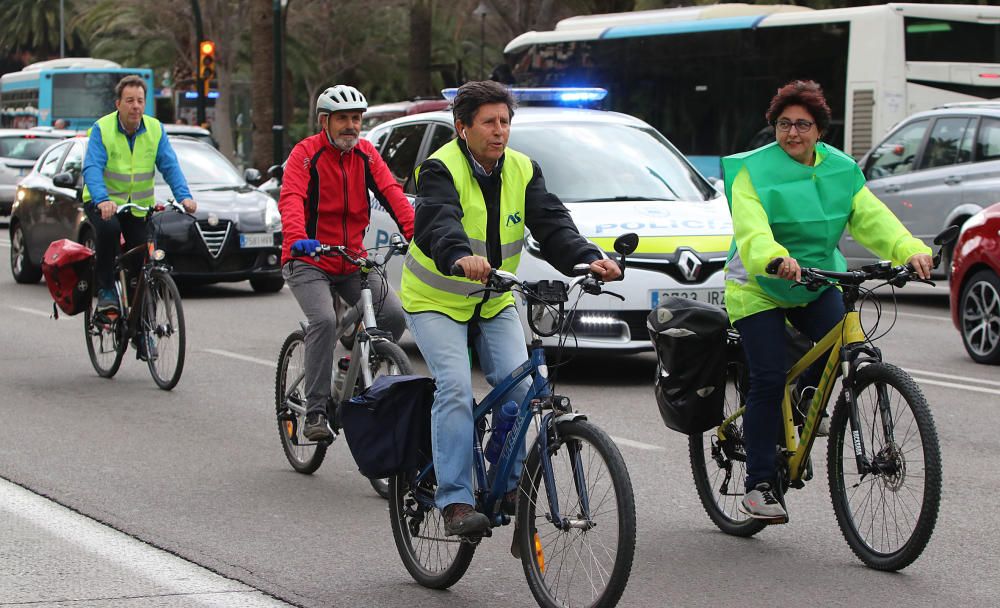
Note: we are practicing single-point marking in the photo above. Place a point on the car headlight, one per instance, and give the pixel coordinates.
(976, 220)
(272, 217)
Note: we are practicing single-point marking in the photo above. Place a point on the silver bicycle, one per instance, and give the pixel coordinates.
(373, 354)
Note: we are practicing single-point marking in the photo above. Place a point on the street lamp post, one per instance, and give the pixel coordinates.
(62, 30)
(278, 128)
(199, 86)
(481, 11)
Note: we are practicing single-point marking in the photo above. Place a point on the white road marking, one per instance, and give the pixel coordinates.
(39, 313)
(887, 315)
(637, 444)
(921, 372)
(975, 389)
(232, 355)
(144, 564)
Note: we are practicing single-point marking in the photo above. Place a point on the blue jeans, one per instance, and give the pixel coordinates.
(442, 342)
(764, 344)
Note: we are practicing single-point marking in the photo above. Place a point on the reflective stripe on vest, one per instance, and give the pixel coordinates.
(425, 289)
(129, 173)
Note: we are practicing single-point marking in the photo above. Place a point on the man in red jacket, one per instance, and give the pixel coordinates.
(324, 199)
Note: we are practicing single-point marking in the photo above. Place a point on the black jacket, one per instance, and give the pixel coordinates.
(438, 231)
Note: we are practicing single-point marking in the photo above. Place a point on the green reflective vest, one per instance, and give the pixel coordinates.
(423, 288)
(129, 173)
(807, 207)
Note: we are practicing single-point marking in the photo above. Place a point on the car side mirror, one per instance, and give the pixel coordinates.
(276, 171)
(64, 180)
(251, 175)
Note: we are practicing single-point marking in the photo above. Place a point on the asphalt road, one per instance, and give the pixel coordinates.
(199, 471)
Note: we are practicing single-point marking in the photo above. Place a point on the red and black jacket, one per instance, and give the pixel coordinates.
(324, 196)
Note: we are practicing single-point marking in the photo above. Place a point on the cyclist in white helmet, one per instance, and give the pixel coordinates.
(324, 200)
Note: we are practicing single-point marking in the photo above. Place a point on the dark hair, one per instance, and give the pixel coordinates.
(129, 81)
(472, 95)
(805, 93)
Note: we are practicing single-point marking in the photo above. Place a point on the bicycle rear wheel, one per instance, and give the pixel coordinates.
(587, 560)
(888, 514)
(162, 328)
(719, 466)
(304, 455)
(434, 560)
(106, 341)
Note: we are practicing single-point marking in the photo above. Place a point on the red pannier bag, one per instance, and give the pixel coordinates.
(68, 267)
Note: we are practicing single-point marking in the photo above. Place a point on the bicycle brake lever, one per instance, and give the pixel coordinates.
(617, 295)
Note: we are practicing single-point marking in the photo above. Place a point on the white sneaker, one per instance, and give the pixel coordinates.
(760, 503)
(824, 427)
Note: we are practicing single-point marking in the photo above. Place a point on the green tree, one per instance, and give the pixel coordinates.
(33, 25)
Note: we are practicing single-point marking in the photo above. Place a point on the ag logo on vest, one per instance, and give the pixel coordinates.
(514, 218)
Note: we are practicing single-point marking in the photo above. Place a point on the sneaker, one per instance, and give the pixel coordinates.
(317, 428)
(462, 520)
(508, 504)
(824, 426)
(107, 301)
(760, 503)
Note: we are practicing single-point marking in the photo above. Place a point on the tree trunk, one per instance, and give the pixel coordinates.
(262, 68)
(419, 80)
(222, 128)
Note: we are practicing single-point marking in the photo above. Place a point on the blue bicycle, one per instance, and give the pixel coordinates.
(575, 512)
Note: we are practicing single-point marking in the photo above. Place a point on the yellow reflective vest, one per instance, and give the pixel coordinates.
(423, 288)
(129, 172)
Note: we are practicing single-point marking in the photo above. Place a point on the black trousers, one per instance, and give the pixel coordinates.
(108, 234)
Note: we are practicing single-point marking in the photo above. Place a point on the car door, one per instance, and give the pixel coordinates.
(935, 189)
(67, 204)
(981, 187)
(38, 224)
(889, 169)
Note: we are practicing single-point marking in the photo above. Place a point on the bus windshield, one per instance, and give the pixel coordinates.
(609, 162)
(83, 94)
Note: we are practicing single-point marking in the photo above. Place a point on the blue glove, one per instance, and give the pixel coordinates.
(305, 247)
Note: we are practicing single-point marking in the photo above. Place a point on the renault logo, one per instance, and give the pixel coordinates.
(689, 264)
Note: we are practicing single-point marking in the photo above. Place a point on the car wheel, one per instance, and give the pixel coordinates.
(267, 285)
(980, 317)
(21, 266)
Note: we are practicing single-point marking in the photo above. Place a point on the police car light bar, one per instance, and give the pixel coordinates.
(550, 94)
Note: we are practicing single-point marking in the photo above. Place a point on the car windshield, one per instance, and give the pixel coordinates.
(585, 162)
(202, 165)
(25, 148)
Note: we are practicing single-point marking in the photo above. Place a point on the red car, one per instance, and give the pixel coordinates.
(975, 285)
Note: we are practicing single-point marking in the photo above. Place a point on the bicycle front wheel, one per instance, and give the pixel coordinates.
(434, 560)
(585, 558)
(887, 514)
(163, 330)
(719, 465)
(105, 341)
(303, 454)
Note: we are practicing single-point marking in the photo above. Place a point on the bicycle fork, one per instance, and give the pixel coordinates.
(584, 520)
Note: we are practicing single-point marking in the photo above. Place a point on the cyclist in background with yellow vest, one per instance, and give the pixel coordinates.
(124, 151)
(792, 200)
(474, 198)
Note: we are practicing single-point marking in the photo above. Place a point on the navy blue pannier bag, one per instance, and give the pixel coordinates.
(388, 426)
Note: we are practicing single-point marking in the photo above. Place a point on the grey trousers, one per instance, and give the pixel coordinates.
(314, 290)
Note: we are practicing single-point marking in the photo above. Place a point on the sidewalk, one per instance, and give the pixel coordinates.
(52, 556)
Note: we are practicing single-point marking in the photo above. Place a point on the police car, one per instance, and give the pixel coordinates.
(615, 174)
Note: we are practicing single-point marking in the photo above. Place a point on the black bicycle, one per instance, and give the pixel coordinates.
(150, 313)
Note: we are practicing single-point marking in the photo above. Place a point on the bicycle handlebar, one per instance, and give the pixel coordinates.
(815, 278)
(397, 245)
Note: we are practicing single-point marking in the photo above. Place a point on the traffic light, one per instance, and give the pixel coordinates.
(206, 64)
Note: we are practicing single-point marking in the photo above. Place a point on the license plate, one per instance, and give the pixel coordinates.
(710, 296)
(263, 239)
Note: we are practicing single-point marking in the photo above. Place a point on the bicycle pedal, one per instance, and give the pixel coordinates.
(474, 539)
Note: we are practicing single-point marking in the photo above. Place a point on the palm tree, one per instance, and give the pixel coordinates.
(34, 25)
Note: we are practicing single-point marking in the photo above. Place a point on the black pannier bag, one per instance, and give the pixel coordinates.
(388, 426)
(690, 342)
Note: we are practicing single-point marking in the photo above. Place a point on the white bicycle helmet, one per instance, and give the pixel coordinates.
(341, 97)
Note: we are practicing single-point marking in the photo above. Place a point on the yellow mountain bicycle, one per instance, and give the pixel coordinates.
(883, 457)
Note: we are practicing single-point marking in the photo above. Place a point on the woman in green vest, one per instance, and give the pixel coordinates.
(793, 199)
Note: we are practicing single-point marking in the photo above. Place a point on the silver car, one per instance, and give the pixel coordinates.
(19, 149)
(935, 169)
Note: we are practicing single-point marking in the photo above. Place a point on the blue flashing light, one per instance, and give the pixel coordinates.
(194, 95)
(569, 95)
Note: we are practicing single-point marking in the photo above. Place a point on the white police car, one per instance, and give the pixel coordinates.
(616, 174)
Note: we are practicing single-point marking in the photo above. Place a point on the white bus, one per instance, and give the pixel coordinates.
(704, 75)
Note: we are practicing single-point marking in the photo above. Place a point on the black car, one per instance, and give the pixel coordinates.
(236, 234)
